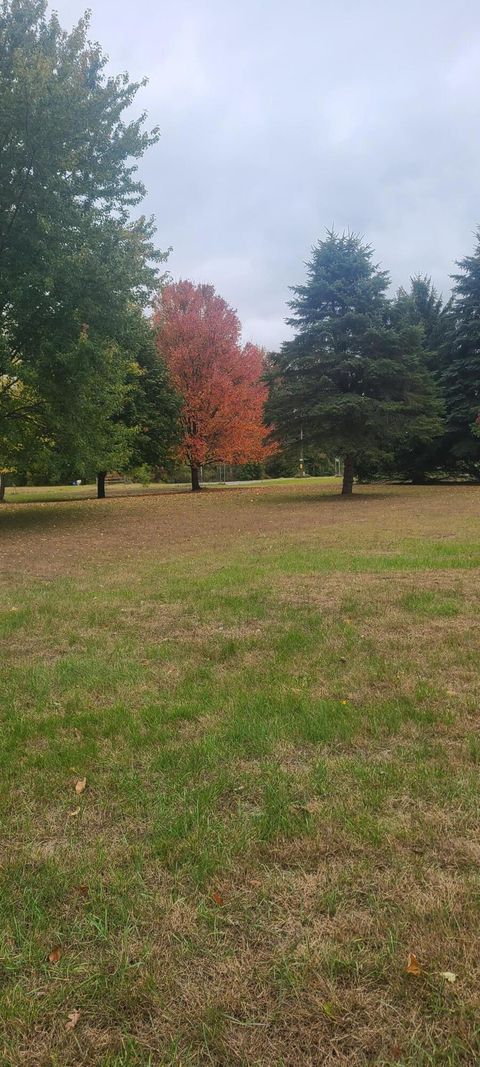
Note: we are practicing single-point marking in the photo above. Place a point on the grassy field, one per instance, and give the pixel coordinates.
(34, 494)
(270, 700)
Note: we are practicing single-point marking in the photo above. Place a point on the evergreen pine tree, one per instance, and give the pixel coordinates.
(422, 306)
(350, 379)
(461, 374)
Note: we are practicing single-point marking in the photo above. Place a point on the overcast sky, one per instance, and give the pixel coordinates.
(280, 118)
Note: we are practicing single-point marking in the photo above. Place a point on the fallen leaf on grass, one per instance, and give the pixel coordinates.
(80, 785)
(217, 897)
(413, 966)
(55, 954)
(449, 976)
(73, 1018)
(71, 814)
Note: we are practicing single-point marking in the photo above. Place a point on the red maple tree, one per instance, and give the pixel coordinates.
(198, 336)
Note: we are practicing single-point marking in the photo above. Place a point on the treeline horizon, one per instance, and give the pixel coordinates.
(108, 365)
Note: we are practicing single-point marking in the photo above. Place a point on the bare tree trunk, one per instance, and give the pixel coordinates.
(347, 486)
(2, 488)
(195, 479)
(101, 485)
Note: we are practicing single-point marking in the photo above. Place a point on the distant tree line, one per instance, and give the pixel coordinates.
(105, 364)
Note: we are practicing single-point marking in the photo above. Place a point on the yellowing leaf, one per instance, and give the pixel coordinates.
(449, 976)
(75, 812)
(413, 966)
(55, 954)
(73, 1018)
(80, 785)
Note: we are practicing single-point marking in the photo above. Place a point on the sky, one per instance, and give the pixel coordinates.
(279, 119)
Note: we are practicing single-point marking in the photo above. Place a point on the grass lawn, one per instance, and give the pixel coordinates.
(32, 494)
(273, 695)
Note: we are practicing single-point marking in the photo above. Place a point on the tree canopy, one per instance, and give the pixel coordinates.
(351, 379)
(422, 306)
(74, 265)
(461, 371)
(220, 383)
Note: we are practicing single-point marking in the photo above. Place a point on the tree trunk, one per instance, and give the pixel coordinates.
(347, 486)
(2, 488)
(101, 485)
(195, 479)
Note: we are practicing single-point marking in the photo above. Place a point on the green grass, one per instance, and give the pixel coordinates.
(37, 494)
(281, 753)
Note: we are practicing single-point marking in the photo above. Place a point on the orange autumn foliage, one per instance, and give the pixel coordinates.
(198, 336)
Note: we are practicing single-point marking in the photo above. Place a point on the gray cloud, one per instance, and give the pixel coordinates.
(279, 119)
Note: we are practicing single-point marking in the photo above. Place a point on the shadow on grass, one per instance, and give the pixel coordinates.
(117, 494)
(114, 494)
(35, 517)
(63, 513)
(328, 498)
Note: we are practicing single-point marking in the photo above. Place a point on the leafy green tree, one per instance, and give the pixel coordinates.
(354, 383)
(20, 437)
(461, 374)
(94, 437)
(71, 258)
(152, 406)
(122, 411)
